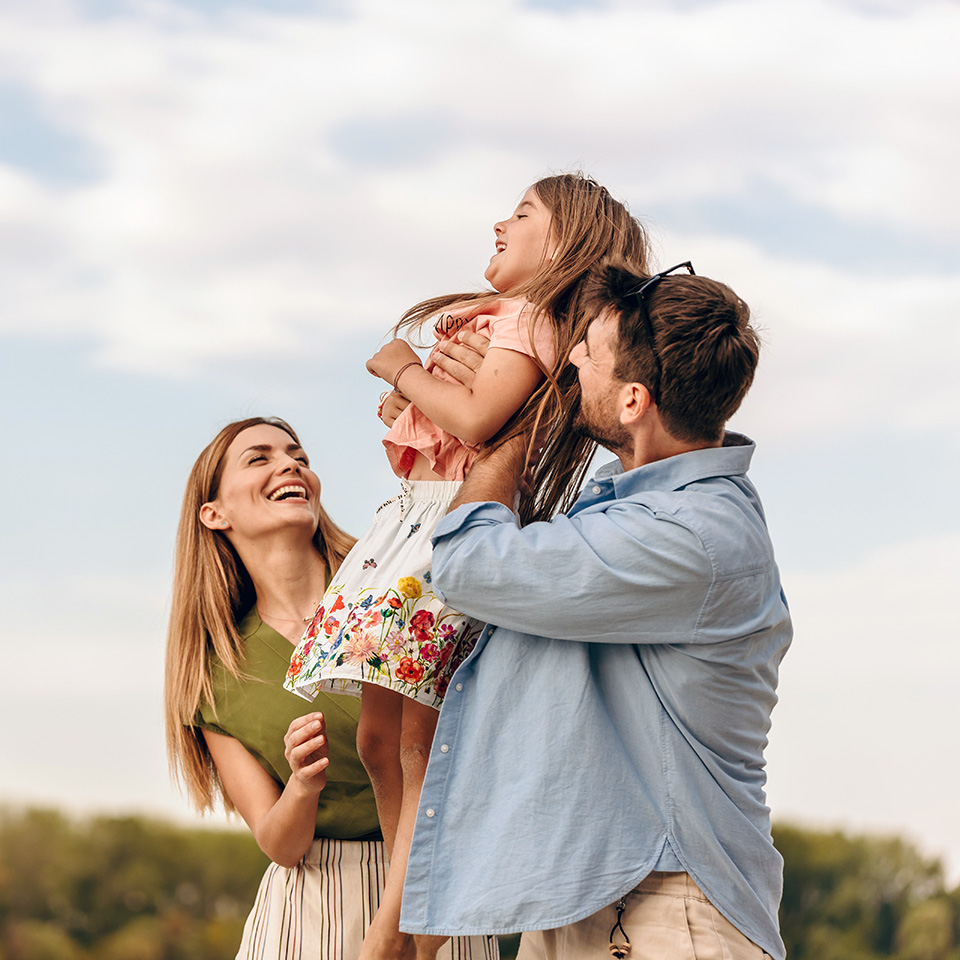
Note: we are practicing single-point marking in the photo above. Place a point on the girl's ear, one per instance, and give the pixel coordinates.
(210, 517)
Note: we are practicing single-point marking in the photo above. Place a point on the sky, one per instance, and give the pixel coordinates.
(211, 210)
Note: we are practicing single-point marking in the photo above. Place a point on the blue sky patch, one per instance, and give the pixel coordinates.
(784, 225)
(377, 142)
(33, 141)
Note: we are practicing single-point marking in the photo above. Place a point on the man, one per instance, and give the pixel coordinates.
(597, 774)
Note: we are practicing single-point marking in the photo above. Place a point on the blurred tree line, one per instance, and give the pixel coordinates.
(130, 888)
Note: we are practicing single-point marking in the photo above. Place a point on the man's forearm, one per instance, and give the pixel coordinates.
(495, 478)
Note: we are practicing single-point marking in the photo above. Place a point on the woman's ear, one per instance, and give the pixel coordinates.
(210, 517)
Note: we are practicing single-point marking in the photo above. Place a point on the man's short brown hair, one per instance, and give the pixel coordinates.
(707, 348)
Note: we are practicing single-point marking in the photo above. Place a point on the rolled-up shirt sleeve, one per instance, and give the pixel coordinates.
(563, 578)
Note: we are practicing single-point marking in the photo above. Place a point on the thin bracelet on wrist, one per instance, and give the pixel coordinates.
(396, 379)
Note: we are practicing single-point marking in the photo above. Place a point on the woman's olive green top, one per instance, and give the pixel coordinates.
(256, 710)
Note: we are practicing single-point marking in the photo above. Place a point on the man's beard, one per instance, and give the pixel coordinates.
(600, 425)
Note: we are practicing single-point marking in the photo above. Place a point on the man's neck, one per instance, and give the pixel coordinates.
(649, 447)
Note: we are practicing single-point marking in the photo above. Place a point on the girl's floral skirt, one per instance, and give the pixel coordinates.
(379, 621)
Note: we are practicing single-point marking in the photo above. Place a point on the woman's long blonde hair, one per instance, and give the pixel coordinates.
(211, 592)
(590, 228)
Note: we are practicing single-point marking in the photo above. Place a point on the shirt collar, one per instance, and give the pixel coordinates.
(732, 459)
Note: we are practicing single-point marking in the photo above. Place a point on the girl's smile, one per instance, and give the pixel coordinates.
(523, 244)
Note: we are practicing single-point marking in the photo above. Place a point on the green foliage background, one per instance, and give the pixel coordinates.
(130, 888)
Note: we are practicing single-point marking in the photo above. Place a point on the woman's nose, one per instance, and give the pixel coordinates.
(499, 227)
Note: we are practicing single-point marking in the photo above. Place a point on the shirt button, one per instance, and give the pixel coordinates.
(459, 687)
(444, 748)
(596, 489)
(430, 812)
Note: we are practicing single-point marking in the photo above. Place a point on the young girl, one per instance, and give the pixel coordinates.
(380, 626)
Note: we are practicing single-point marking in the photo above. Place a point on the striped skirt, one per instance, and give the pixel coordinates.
(321, 908)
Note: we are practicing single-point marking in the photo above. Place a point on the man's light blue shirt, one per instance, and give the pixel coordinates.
(612, 718)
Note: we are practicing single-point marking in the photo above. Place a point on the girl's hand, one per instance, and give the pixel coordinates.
(388, 360)
(307, 752)
(393, 405)
(461, 356)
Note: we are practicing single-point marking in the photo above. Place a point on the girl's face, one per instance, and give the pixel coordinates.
(266, 485)
(524, 243)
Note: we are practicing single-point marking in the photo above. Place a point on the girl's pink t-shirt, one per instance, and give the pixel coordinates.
(505, 322)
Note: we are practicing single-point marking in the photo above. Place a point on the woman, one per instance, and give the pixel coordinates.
(254, 553)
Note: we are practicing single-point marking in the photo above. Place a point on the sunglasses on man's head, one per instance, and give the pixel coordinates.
(642, 291)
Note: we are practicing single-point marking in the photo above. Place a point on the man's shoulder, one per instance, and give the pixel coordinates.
(717, 517)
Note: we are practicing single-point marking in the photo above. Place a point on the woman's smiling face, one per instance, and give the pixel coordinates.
(266, 485)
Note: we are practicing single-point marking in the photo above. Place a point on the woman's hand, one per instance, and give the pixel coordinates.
(388, 360)
(307, 752)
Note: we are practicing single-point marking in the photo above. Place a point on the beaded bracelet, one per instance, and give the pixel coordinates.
(396, 379)
(383, 400)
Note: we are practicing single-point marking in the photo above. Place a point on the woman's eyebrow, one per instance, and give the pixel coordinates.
(259, 447)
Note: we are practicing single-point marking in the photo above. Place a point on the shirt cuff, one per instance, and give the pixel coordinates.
(469, 513)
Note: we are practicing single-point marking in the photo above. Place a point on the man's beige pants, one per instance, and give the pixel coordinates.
(667, 917)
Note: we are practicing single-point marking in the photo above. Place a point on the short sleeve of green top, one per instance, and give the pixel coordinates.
(256, 710)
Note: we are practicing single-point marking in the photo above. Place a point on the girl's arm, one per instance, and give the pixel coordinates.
(282, 821)
(504, 380)
(460, 357)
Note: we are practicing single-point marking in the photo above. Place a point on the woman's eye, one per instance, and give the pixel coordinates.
(259, 456)
(303, 459)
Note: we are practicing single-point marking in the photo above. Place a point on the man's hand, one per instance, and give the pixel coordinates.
(496, 477)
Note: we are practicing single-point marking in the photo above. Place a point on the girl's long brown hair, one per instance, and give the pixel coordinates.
(211, 592)
(590, 228)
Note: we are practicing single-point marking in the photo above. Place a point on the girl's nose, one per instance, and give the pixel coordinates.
(499, 227)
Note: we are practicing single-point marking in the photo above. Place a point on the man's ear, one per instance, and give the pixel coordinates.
(634, 402)
(210, 517)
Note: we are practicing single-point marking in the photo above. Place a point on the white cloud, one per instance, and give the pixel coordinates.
(866, 729)
(228, 222)
(842, 350)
